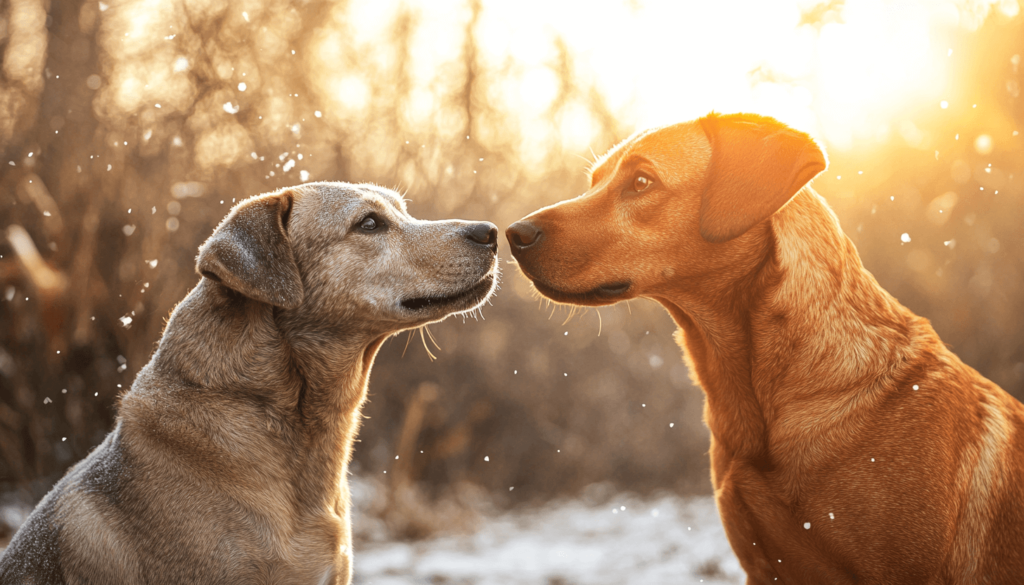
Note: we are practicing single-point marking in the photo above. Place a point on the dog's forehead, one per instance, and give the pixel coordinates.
(667, 140)
(663, 146)
(383, 194)
(608, 162)
(346, 198)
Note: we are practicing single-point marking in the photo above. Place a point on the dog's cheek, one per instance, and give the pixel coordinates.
(336, 284)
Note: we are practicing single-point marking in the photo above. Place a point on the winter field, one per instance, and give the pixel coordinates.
(624, 540)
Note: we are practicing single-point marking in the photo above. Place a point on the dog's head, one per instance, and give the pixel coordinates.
(351, 256)
(673, 203)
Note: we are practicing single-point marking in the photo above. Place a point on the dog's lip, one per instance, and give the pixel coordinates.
(606, 292)
(612, 289)
(477, 290)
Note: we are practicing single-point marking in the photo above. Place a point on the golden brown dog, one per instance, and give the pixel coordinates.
(848, 444)
(230, 457)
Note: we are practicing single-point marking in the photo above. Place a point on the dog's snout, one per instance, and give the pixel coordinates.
(484, 232)
(523, 234)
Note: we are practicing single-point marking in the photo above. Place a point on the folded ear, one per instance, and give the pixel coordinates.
(757, 165)
(250, 251)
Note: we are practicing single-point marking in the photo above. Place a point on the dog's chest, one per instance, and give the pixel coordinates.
(775, 540)
(313, 538)
(296, 546)
(839, 529)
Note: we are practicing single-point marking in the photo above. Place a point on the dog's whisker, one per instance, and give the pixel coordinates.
(407, 340)
(431, 336)
(572, 312)
(424, 339)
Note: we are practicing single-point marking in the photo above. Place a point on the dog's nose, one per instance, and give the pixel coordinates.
(484, 232)
(522, 234)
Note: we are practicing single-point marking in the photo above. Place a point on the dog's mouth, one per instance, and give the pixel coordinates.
(604, 294)
(471, 295)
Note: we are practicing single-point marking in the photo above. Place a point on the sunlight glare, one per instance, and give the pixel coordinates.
(849, 73)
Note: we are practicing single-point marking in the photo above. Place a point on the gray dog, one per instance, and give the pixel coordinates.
(228, 463)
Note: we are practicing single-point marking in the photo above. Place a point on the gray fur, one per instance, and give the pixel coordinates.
(229, 458)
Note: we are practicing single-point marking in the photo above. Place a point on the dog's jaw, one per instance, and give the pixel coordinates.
(437, 307)
(462, 301)
(599, 296)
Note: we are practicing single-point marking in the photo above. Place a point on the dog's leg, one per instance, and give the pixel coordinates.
(736, 520)
(772, 545)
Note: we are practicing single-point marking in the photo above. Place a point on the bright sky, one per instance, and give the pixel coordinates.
(843, 79)
(855, 75)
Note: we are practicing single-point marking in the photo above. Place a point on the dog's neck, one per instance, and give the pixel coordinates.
(764, 346)
(305, 385)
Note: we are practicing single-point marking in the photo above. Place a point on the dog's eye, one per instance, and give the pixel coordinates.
(371, 222)
(642, 183)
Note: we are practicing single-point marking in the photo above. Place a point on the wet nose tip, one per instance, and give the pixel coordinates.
(485, 233)
(522, 234)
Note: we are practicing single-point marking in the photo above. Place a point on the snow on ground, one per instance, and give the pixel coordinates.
(625, 540)
(628, 540)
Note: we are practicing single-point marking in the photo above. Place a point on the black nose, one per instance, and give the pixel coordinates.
(484, 232)
(523, 234)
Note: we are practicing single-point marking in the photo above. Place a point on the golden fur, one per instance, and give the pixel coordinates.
(229, 460)
(848, 444)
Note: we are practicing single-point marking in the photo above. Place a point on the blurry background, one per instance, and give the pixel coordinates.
(128, 128)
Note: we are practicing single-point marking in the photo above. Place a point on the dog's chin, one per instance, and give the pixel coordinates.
(605, 294)
(440, 306)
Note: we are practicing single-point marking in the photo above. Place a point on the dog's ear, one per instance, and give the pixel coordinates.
(250, 251)
(757, 165)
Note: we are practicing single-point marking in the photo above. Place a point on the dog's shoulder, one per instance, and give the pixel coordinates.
(33, 557)
(76, 512)
(100, 482)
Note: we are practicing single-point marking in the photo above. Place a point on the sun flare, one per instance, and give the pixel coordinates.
(840, 70)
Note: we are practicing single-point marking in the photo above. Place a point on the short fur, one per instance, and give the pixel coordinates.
(229, 460)
(849, 445)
